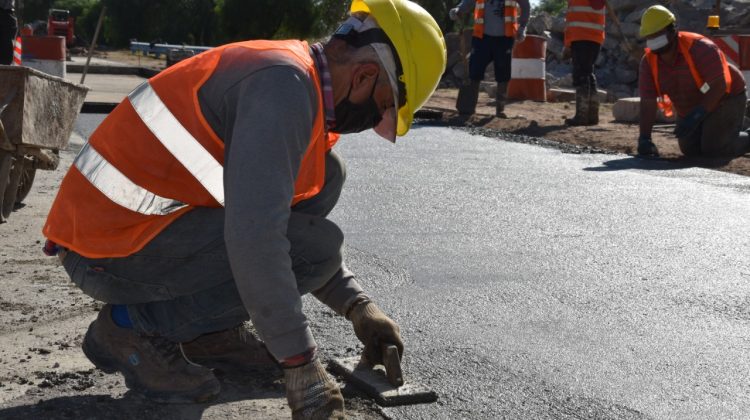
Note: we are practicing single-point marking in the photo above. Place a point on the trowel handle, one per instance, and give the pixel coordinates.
(392, 364)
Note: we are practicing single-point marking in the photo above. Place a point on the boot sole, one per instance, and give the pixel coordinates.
(205, 392)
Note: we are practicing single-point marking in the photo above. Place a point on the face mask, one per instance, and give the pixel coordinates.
(353, 118)
(657, 43)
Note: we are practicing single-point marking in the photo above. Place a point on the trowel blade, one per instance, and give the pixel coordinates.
(373, 381)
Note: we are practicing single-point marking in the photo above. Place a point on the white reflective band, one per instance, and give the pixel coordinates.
(479, 5)
(511, 3)
(479, 21)
(527, 68)
(118, 188)
(180, 143)
(512, 19)
(586, 9)
(587, 25)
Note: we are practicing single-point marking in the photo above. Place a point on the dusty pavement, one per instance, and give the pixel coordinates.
(546, 120)
(44, 374)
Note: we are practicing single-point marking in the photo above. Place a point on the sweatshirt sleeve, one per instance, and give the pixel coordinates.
(272, 113)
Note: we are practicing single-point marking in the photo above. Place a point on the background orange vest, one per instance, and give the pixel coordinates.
(510, 14)
(584, 22)
(86, 221)
(685, 42)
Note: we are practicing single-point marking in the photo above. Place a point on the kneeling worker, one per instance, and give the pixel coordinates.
(200, 203)
(688, 72)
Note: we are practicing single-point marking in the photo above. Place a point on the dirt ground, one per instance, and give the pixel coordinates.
(546, 120)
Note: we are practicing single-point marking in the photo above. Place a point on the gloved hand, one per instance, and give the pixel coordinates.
(312, 394)
(374, 328)
(453, 13)
(646, 147)
(521, 34)
(686, 126)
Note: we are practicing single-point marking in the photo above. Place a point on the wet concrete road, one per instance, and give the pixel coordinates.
(535, 284)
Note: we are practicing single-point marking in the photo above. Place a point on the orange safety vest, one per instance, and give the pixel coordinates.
(510, 16)
(584, 22)
(155, 157)
(685, 41)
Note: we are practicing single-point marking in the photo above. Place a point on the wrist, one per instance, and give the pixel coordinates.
(360, 300)
(300, 359)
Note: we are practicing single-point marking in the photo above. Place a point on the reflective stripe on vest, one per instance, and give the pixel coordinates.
(118, 188)
(685, 42)
(180, 143)
(584, 22)
(587, 25)
(510, 18)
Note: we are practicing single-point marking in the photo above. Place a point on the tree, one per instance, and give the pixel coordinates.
(553, 7)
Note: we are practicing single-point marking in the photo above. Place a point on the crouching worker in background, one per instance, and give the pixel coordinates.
(687, 72)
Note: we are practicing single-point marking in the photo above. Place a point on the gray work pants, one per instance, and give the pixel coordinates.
(180, 284)
(718, 134)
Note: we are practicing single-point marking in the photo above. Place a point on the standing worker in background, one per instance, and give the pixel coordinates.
(8, 30)
(497, 24)
(206, 193)
(584, 36)
(688, 72)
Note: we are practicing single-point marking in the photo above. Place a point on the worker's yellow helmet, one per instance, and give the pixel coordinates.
(655, 19)
(419, 44)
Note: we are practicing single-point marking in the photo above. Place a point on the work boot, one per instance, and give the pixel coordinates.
(593, 106)
(235, 348)
(582, 108)
(152, 366)
(500, 98)
(468, 95)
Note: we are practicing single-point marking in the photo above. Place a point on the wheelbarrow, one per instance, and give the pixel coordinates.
(37, 113)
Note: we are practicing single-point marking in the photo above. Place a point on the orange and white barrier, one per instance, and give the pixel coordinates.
(45, 53)
(737, 50)
(17, 51)
(528, 70)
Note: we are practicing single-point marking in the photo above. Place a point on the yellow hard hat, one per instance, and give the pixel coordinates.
(654, 19)
(419, 44)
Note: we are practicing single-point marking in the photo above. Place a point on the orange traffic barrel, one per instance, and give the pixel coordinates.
(45, 53)
(527, 70)
(736, 48)
(17, 51)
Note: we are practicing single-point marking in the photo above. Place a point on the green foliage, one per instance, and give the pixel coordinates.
(553, 7)
(210, 22)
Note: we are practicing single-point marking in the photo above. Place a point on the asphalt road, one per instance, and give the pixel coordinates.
(535, 284)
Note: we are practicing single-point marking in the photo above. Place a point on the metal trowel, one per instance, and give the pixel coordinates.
(384, 383)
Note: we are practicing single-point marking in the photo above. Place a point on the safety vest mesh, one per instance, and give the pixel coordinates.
(685, 41)
(584, 22)
(510, 17)
(155, 157)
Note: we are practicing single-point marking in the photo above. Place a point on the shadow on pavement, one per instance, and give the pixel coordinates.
(261, 384)
(657, 164)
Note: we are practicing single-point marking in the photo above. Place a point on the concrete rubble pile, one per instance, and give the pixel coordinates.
(616, 69)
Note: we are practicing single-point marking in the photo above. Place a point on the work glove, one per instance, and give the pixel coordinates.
(312, 394)
(374, 329)
(521, 34)
(686, 126)
(453, 13)
(646, 147)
